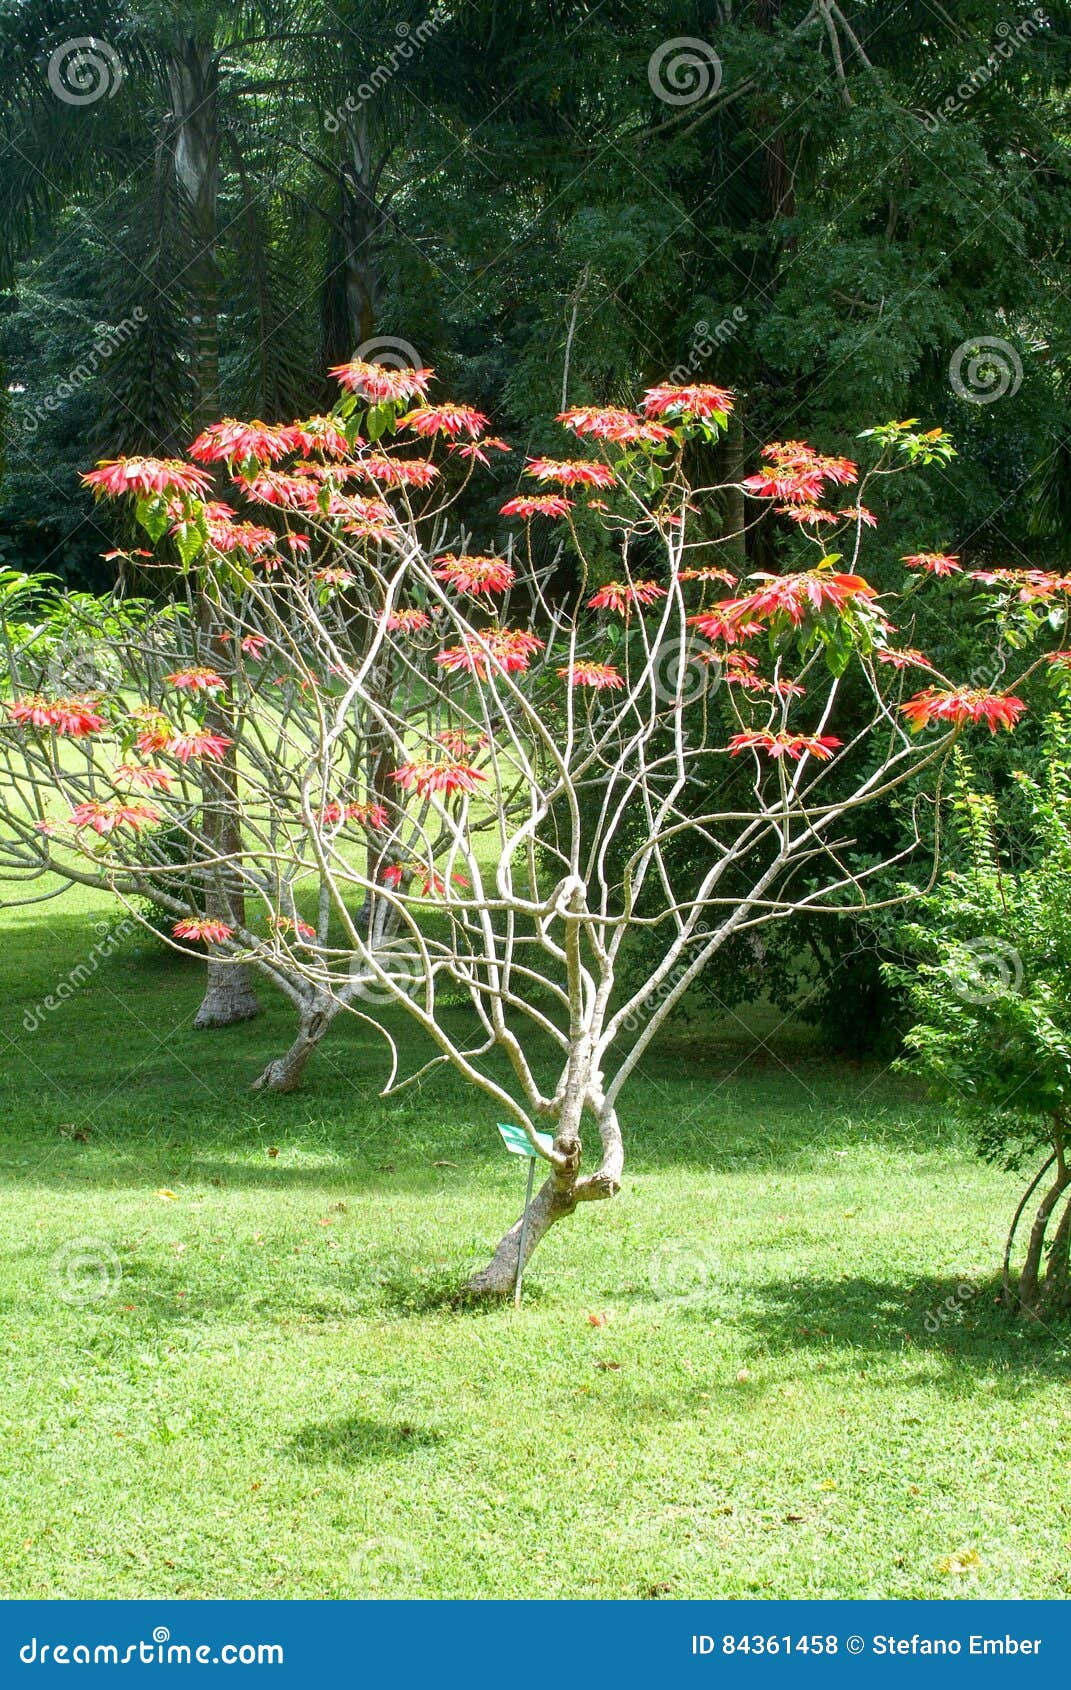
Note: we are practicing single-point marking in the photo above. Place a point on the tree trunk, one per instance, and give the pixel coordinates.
(229, 996)
(560, 1194)
(1029, 1292)
(498, 1278)
(193, 85)
(285, 1073)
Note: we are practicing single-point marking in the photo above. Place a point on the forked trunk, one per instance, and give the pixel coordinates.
(561, 1192)
(498, 1278)
(1043, 1285)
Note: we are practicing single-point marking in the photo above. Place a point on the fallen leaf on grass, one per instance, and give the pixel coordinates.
(167, 1195)
(598, 1319)
(609, 1366)
(963, 1561)
(273, 1151)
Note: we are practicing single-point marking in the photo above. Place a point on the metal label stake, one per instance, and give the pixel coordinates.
(518, 1143)
(524, 1234)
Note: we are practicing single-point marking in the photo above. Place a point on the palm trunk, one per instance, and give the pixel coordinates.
(193, 84)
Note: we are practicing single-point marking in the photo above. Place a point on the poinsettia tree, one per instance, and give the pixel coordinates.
(497, 728)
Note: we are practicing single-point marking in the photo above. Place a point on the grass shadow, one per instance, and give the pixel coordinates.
(357, 1439)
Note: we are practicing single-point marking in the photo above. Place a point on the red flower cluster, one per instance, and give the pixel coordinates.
(203, 929)
(185, 747)
(408, 620)
(795, 473)
(426, 777)
(105, 818)
(962, 705)
(696, 399)
(778, 745)
(598, 676)
(474, 575)
(377, 383)
(72, 717)
(146, 476)
(509, 649)
(229, 440)
(571, 472)
(934, 563)
(395, 472)
(539, 504)
(622, 596)
(453, 420)
(609, 422)
(198, 679)
(1032, 584)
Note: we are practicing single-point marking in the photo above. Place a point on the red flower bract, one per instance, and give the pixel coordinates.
(933, 563)
(609, 422)
(509, 649)
(198, 679)
(376, 382)
(598, 676)
(225, 441)
(621, 596)
(146, 476)
(696, 399)
(203, 929)
(426, 777)
(571, 472)
(778, 745)
(184, 747)
(474, 575)
(106, 818)
(144, 775)
(72, 717)
(445, 419)
(538, 504)
(962, 705)
(408, 620)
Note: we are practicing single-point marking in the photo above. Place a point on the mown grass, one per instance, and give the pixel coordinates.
(727, 1382)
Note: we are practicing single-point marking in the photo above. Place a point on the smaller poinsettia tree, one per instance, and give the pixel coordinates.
(530, 748)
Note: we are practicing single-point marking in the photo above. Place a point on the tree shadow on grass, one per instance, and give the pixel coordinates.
(963, 1322)
(357, 1439)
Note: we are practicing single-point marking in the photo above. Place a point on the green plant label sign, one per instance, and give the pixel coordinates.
(517, 1142)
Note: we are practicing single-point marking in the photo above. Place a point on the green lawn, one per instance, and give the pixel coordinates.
(271, 1395)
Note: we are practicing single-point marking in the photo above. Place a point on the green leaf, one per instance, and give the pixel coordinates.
(517, 1142)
